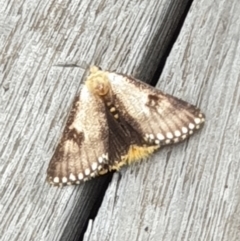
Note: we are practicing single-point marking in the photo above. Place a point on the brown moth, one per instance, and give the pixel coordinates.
(117, 120)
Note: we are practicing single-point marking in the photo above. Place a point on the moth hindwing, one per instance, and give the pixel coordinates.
(117, 120)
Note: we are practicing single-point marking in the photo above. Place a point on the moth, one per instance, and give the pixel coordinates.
(117, 120)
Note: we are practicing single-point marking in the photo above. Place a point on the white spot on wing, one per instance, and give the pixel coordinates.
(197, 120)
(151, 136)
(113, 109)
(169, 135)
(64, 180)
(87, 171)
(146, 138)
(184, 137)
(56, 179)
(177, 133)
(167, 141)
(175, 140)
(100, 159)
(94, 166)
(157, 142)
(72, 177)
(184, 130)
(105, 156)
(160, 137)
(80, 176)
(191, 126)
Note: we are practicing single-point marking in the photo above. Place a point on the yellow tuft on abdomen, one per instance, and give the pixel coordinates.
(135, 153)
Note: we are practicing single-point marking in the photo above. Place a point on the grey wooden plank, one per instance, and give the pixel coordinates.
(129, 36)
(189, 191)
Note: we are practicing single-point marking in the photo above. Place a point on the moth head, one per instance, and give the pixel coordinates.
(98, 82)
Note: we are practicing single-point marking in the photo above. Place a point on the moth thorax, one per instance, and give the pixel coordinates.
(98, 84)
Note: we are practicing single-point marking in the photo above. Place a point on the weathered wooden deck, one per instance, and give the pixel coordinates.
(185, 192)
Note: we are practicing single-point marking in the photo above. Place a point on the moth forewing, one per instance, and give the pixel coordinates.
(82, 150)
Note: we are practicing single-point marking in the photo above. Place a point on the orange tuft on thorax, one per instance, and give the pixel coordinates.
(98, 82)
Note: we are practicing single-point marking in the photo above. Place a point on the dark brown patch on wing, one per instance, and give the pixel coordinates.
(153, 100)
(73, 135)
(122, 134)
(68, 134)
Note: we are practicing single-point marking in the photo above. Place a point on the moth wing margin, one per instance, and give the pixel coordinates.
(161, 118)
(83, 149)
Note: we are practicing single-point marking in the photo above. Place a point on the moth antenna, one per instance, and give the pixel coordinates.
(83, 66)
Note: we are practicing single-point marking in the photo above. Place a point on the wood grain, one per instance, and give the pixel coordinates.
(189, 191)
(128, 36)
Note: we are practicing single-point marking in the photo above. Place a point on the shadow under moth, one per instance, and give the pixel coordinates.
(117, 120)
